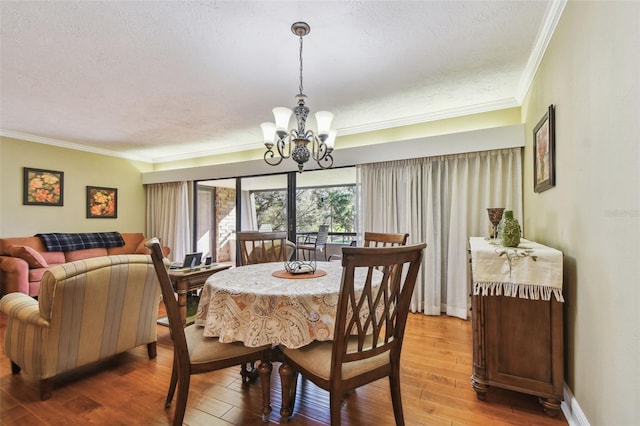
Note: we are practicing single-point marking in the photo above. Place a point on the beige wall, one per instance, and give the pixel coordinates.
(591, 72)
(80, 169)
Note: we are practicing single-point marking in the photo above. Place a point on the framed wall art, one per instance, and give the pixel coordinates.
(42, 187)
(102, 203)
(544, 143)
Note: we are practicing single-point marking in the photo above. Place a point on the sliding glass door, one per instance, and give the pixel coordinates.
(296, 203)
(215, 218)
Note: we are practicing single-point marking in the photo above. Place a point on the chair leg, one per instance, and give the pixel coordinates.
(172, 383)
(183, 395)
(46, 388)
(335, 405)
(396, 398)
(152, 350)
(264, 369)
(15, 368)
(288, 382)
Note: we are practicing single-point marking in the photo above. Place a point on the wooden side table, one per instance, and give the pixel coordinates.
(518, 342)
(185, 280)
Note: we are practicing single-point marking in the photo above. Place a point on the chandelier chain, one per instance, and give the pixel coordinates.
(301, 66)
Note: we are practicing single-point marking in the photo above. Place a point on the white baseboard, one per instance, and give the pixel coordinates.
(571, 409)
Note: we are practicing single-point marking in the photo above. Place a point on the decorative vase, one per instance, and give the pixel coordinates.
(509, 230)
(495, 215)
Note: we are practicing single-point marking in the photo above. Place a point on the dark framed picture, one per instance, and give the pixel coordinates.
(42, 187)
(544, 158)
(102, 203)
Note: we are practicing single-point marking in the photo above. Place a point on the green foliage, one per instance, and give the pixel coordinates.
(271, 208)
(333, 206)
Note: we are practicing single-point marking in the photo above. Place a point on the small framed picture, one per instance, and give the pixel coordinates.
(102, 203)
(42, 187)
(544, 161)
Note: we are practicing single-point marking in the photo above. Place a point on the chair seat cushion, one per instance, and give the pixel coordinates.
(205, 349)
(316, 358)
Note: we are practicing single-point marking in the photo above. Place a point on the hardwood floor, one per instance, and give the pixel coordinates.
(130, 389)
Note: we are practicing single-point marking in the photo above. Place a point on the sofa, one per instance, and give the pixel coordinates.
(88, 310)
(24, 260)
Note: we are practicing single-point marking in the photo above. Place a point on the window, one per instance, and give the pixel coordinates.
(321, 197)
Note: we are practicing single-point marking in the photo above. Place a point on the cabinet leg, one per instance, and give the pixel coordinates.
(480, 388)
(551, 406)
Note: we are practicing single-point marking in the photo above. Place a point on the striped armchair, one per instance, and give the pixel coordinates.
(87, 310)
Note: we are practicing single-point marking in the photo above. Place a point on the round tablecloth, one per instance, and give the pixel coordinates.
(250, 305)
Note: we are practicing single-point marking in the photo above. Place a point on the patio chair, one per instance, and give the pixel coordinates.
(313, 243)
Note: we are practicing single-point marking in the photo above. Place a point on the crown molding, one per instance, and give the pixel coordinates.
(431, 116)
(549, 23)
(70, 145)
(209, 152)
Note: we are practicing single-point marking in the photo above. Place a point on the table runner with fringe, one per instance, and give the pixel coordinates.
(529, 271)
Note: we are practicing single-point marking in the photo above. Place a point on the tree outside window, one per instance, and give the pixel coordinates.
(315, 206)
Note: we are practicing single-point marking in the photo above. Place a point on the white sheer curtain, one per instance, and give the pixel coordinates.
(249, 215)
(169, 218)
(441, 201)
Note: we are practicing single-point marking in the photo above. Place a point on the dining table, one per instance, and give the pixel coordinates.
(263, 304)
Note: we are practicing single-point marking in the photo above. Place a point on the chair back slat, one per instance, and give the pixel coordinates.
(375, 318)
(262, 247)
(379, 239)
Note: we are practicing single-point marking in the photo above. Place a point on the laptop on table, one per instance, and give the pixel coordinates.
(191, 260)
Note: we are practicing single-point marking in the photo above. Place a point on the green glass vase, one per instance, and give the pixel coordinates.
(509, 230)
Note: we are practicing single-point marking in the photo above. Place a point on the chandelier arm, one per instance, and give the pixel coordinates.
(280, 145)
(317, 151)
(328, 158)
(270, 158)
(320, 149)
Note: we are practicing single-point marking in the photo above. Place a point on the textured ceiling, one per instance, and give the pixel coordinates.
(162, 80)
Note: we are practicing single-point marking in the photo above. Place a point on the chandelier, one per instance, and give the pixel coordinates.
(294, 143)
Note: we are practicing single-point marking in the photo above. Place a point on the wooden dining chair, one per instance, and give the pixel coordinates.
(368, 332)
(379, 239)
(313, 243)
(194, 354)
(262, 247)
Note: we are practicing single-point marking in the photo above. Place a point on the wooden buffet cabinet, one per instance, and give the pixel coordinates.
(518, 343)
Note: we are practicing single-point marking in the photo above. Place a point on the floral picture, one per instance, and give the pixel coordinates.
(102, 203)
(42, 187)
(544, 141)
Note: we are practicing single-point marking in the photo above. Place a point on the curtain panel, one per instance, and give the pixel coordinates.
(169, 216)
(442, 201)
